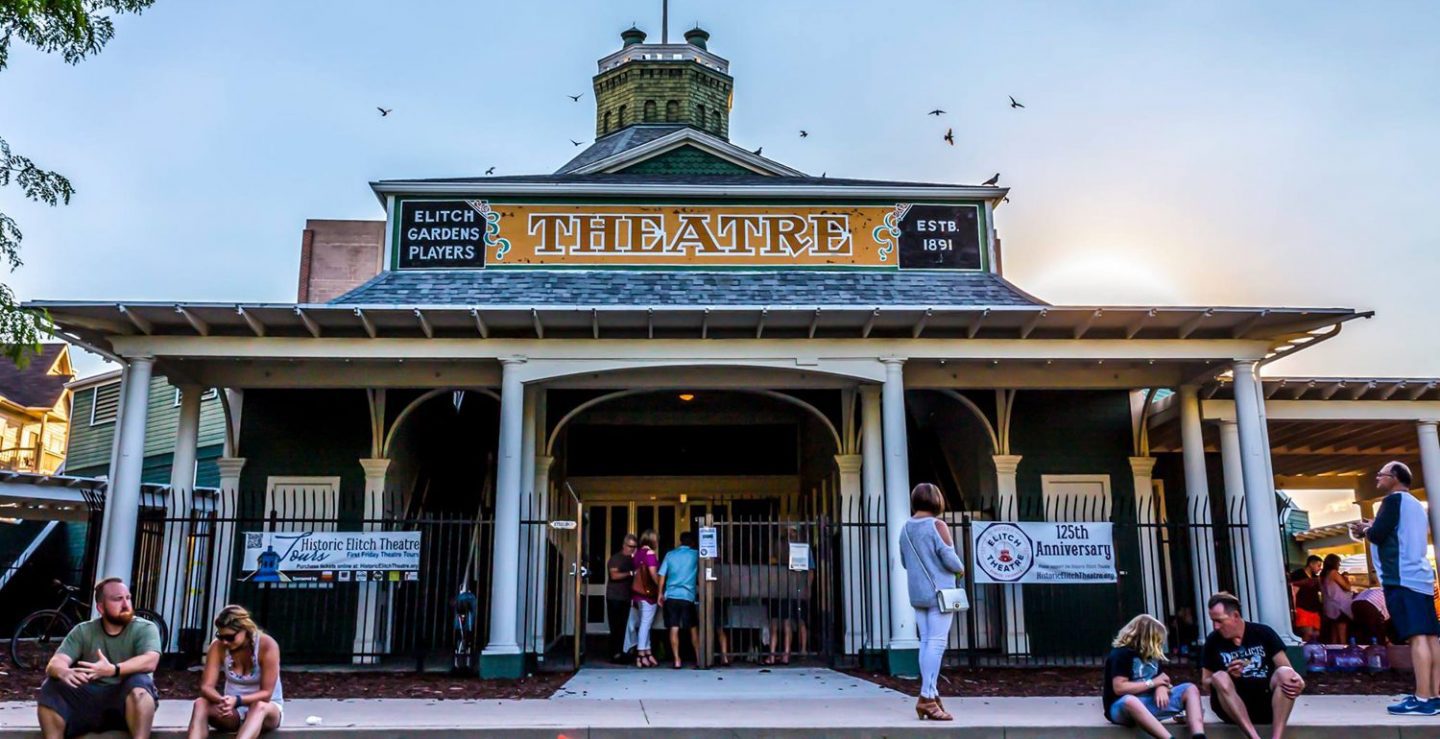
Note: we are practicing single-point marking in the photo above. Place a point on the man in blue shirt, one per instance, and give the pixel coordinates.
(1398, 537)
(677, 594)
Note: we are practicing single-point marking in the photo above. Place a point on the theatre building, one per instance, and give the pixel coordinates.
(670, 332)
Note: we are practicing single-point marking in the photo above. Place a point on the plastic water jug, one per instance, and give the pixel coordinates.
(1350, 658)
(1315, 657)
(1377, 658)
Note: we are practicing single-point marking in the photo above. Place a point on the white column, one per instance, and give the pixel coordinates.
(530, 540)
(1235, 511)
(540, 558)
(897, 503)
(1266, 547)
(1147, 518)
(1430, 468)
(872, 506)
(1197, 501)
(175, 577)
(122, 500)
(1007, 508)
(372, 634)
(504, 580)
(854, 575)
(227, 507)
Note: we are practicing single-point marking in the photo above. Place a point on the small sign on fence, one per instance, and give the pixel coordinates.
(562, 525)
(331, 556)
(1033, 552)
(799, 556)
(709, 543)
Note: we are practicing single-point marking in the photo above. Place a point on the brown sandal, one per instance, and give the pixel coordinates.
(930, 710)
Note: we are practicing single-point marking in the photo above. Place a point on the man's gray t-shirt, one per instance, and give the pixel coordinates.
(138, 637)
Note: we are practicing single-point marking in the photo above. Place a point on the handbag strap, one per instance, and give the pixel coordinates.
(918, 558)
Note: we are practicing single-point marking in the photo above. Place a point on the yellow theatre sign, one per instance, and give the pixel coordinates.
(475, 234)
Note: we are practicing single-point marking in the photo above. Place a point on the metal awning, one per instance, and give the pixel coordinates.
(93, 323)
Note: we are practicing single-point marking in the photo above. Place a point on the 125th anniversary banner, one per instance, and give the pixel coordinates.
(473, 234)
(1031, 552)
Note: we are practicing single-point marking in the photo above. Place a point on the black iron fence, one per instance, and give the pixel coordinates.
(188, 565)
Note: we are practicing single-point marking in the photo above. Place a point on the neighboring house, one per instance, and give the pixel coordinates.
(35, 411)
(95, 406)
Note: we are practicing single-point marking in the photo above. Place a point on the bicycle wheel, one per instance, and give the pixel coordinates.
(150, 615)
(37, 637)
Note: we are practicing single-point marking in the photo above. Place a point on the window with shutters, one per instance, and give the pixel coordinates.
(106, 405)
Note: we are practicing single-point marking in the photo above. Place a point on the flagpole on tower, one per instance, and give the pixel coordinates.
(664, 21)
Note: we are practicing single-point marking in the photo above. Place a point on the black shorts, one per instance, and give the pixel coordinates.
(680, 614)
(787, 609)
(1411, 614)
(93, 707)
(1256, 700)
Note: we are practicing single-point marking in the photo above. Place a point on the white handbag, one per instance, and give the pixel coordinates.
(948, 600)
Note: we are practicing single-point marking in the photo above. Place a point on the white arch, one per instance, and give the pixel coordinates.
(587, 405)
(975, 409)
(416, 403)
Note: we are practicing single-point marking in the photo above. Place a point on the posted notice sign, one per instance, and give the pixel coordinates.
(331, 556)
(1033, 552)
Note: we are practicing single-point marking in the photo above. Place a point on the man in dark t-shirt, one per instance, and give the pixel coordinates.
(1247, 671)
(619, 573)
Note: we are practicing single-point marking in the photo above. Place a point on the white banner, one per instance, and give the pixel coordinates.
(1033, 552)
(331, 556)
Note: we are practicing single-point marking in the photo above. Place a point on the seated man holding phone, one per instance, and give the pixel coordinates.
(1247, 671)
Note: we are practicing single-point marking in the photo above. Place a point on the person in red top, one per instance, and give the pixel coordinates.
(646, 590)
(1305, 584)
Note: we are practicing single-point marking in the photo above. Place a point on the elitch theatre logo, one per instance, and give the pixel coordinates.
(1004, 552)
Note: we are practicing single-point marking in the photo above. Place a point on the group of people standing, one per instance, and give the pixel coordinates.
(638, 584)
(101, 678)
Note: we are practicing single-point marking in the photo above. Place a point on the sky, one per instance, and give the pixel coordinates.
(1218, 153)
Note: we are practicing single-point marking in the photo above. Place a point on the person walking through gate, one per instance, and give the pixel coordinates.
(1397, 545)
(252, 701)
(645, 593)
(928, 555)
(1136, 693)
(620, 573)
(1247, 671)
(677, 595)
(102, 676)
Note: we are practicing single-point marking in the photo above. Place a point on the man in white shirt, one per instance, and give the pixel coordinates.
(1398, 537)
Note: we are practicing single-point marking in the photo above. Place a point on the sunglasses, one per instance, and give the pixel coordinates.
(227, 638)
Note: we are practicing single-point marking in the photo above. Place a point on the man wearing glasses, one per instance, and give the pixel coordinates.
(620, 570)
(1398, 537)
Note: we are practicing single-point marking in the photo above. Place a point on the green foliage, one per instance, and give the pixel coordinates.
(76, 29)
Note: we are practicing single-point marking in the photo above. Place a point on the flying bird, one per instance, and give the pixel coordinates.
(993, 180)
(950, 136)
(1015, 103)
(490, 171)
(757, 151)
(804, 134)
(936, 111)
(576, 98)
(383, 111)
(573, 141)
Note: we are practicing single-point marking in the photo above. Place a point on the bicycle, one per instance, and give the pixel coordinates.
(39, 633)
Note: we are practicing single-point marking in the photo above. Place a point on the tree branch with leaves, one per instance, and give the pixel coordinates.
(75, 29)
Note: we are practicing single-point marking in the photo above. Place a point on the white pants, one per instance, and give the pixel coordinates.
(934, 626)
(647, 617)
(632, 624)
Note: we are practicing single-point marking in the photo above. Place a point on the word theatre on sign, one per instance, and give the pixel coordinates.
(440, 234)
(940, 237)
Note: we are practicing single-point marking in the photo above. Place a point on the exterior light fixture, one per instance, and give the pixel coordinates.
(687, 397)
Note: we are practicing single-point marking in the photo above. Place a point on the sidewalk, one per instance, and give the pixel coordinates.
(1319, 717)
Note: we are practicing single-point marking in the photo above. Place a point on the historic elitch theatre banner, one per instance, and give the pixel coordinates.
(1042, 553)
(331, 556)
(474, 234)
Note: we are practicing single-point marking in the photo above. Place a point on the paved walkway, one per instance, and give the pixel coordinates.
(737, 683)
(1319, 717)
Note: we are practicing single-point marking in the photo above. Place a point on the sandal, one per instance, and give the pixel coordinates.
(930, 710)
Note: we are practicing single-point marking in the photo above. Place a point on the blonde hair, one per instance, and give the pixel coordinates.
(649, 538)
(238, 618)
(1144, 634)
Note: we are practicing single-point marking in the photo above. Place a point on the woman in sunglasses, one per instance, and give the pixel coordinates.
(251, 701)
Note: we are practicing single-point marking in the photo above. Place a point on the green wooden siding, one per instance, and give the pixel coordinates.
(88, 452)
